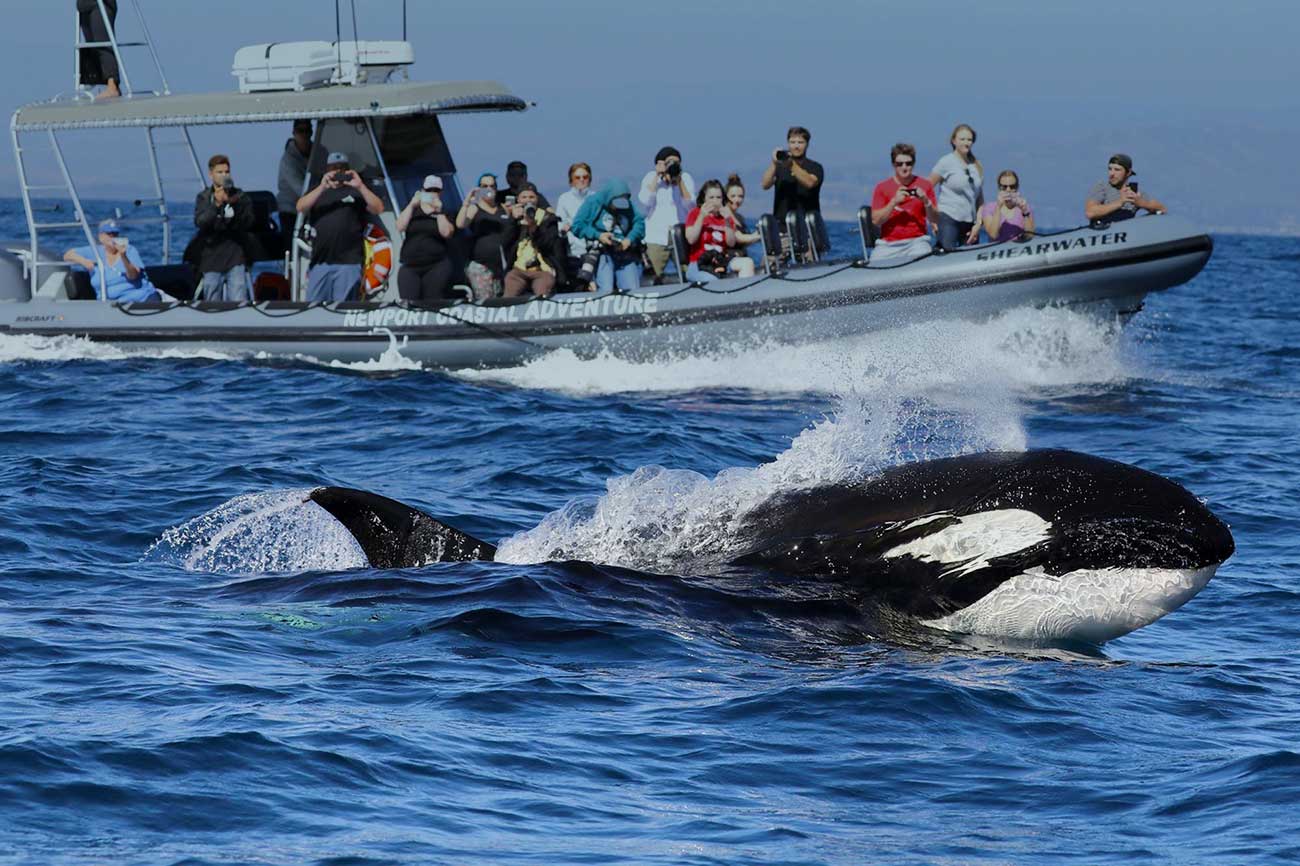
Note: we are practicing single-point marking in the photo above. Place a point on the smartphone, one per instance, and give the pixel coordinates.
(510, 200)
(1133, 185)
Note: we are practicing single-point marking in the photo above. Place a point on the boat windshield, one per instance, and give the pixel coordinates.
(411, 147)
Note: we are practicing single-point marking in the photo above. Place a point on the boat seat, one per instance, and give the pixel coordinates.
(79, 287)
(770, 237)
(867, 229)
(818, 241)
(681, 250)
(267, 238)
(177, 280)
(797, 232)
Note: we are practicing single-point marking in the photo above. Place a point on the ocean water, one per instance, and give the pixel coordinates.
(196, 668)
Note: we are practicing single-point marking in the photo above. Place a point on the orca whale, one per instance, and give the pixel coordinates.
(1036, 545)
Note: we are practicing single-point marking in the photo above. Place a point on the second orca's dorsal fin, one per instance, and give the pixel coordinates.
(395, 535)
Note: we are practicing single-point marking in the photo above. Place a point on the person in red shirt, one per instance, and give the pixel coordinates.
(902, 208)
(711, 232)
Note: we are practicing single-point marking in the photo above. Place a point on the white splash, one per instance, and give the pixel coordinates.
(657, 517)
(15, 348)
(1024, 348)
(260, 533)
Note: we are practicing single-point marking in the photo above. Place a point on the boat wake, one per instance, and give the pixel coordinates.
(19, 348)
(1028, 348)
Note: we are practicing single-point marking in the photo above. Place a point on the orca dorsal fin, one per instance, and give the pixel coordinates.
(394, 535)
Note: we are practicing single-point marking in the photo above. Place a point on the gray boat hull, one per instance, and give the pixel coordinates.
(1107, 270)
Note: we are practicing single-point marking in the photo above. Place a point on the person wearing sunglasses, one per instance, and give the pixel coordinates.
(1009, 217)
(960, 180)
(122, 277)
(566, 208)
(902, 208)
(1116, 198)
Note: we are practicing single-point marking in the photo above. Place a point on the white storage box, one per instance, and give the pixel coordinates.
(303, 65)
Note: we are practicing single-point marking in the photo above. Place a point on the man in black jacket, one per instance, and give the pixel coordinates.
(534, 247)
(224, 217)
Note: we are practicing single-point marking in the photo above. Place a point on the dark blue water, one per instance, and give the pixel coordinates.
(181, 686)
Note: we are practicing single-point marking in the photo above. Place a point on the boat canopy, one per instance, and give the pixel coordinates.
(373, 100)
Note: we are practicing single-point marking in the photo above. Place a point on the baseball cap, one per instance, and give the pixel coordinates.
(337, 157)
(1122, 159)
(110, 227)
(432, 182)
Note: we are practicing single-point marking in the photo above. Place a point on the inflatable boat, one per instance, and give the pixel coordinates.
(392, 133)
(1106, 270)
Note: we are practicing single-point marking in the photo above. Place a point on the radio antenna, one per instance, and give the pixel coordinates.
(403, 20)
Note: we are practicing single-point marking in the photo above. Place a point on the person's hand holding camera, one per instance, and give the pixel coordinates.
(901, 195)
(1128, 194)
(607, 239)
(779, 156)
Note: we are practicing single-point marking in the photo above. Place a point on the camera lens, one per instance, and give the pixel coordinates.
(674, 169)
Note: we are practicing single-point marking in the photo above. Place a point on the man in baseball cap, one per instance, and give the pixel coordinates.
(339, 208)
(1116, 198)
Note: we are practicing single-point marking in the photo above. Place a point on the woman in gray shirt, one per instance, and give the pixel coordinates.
(959, 178)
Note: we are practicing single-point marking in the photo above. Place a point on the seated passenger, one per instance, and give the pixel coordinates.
(711, 233)
(960, 179)
(339, 208)
(534, 248)
(223, 216)
(1116, 198)
(486, 220)
(426, 271)
(902, 207)
(516, 180)
(1009, 217)
(566, 209)
(609, 218)
(741, 260)
(122, 279)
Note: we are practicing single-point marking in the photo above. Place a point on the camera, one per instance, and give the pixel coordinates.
(530, 211)
(340, 176)
(510, 200)
(228, 184)
(782, 155)
(714, 261)
(587, 269)
(673, 170)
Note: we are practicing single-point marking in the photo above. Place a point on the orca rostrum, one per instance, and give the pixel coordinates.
(1038, 545)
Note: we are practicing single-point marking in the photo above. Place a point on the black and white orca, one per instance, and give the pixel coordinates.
(1037, 545)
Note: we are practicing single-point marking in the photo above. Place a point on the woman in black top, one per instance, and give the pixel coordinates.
(486, 220)
(426, 269)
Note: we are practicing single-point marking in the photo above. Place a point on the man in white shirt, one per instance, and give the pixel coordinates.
(667, 195)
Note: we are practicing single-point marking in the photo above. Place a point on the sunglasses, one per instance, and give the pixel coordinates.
(902, 162)
(582, 177)
(1009, 187)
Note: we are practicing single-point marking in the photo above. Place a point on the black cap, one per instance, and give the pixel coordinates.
(665, 152)
(516, 166)
(1122, 159)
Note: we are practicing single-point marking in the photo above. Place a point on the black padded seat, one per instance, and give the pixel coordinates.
(79, 286)
(867, 229)
(178, 280)
(681, 250)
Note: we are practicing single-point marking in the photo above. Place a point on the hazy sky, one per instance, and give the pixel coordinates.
(1188, 81)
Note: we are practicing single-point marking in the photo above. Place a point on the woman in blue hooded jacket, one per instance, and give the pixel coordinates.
(609, 218)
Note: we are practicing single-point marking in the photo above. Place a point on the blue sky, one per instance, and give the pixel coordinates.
(1202, 94)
